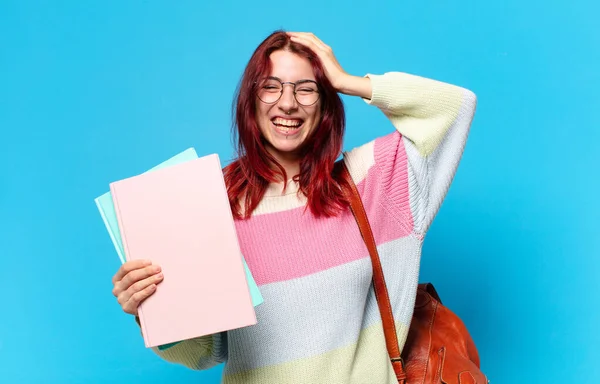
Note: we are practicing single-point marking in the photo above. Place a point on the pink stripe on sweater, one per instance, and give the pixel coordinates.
(392, 161)
(274, 253)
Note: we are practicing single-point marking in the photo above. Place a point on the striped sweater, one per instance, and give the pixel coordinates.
(319, 322)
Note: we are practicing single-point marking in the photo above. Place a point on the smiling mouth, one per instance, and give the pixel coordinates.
(287, 126)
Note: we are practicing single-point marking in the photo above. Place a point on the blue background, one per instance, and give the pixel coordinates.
(91, 92)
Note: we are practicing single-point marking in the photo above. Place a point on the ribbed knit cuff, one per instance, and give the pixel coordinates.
(392, 89)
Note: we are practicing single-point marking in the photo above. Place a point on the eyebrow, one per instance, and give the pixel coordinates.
(299, 81)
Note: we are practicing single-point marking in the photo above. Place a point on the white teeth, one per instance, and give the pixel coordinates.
(287, 123)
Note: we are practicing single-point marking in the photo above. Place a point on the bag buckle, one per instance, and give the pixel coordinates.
(396, 359)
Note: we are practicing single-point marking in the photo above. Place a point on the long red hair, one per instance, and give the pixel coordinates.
(248, 176)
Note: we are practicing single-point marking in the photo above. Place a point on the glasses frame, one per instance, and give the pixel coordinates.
(283, 83)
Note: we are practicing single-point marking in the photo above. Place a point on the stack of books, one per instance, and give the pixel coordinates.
(177, 215)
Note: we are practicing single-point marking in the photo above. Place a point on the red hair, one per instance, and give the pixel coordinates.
(248, 176)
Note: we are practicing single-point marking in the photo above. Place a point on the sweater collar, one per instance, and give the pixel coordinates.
(276, 189)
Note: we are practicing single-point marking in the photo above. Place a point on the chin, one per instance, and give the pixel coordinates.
(286, 148)
(286, 142)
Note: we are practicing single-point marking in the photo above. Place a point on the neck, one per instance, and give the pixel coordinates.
(290, 163)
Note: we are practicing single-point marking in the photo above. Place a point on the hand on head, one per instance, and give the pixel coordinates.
(333, 70)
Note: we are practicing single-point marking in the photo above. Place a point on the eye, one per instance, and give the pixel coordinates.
(306, 87)
(271, 88)
(271, 85)
(306, 91)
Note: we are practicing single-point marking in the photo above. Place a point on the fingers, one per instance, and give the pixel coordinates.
(128, 267)
(134, 282)
(310, 40)
(308, 36)
(131, 297)
(133, 277)
(333, 70)
(134, 301)
(138, 286)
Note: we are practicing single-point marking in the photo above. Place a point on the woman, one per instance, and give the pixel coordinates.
(319, 322)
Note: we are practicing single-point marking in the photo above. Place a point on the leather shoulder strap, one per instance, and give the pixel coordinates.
(381, 292)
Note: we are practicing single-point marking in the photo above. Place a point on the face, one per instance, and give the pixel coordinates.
(286, 123)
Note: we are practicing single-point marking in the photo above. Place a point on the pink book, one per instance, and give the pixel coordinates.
(179, 218)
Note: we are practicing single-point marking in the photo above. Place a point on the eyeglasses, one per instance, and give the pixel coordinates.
(270, 90)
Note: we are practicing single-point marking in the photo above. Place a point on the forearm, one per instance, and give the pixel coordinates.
(356, 86)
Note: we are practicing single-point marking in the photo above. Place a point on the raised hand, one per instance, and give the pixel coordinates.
(338, 77)
(333, 70)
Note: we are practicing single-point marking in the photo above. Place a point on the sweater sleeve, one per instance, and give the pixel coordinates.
(417, 163)
(198, 353)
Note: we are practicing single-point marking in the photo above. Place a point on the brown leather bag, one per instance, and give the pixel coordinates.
(438, 349)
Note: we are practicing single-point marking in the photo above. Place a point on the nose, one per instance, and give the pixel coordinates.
(287, 102)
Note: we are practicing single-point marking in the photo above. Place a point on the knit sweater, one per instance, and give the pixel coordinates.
(319, 322)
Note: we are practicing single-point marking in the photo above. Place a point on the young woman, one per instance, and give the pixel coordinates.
(319, 322)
